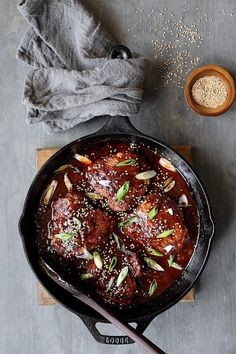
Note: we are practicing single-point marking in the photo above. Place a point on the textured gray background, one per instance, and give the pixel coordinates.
(208, 325)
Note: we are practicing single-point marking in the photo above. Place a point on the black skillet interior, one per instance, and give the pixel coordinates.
(119, 129)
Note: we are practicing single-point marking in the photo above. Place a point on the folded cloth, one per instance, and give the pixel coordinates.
(72, 80)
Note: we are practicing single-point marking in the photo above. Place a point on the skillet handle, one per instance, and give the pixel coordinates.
(118, 124)
(120, 52)
(108, 339)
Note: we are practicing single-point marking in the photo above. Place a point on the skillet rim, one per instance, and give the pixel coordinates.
(53, 289)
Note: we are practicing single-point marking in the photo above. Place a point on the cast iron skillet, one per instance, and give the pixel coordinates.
(119, 129)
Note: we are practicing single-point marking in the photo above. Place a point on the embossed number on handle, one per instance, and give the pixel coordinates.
(116, 340)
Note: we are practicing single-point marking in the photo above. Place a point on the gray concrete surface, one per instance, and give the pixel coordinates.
(209, 325)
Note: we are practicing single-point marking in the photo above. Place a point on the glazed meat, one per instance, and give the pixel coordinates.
(135, 264)
(105, 279)
(164, 231)
(105, 223)
(106, 178)
(76, 225)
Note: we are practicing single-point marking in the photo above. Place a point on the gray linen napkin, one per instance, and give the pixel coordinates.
(72, 80)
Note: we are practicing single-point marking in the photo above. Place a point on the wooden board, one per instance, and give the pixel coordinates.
(42, 155)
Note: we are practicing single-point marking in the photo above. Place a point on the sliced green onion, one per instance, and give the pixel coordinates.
(92, 195)
(83, 159)
(123, 274)
(183, 200)
(111, 281)
(168, 248)
(152, 213)
(67, 182)
(62, 168)
(119, 243)
(129, 162)
(173, 264)
(153, 264)
(165, 233)
(116, 239)
(146, 174)
(112, 264)
(154, 252)
(86, 276)
(64, 236)
(170, 260)
(176, 266)
(48, 193)
(97, 260)
(77, 222)
(128, 221)
(122, 191)
(167, 181)
(169, 187)
(85, 255)
(152, 287)
(166, 164)
(170, 211)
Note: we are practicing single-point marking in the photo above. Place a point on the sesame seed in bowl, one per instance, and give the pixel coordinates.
(209, 90)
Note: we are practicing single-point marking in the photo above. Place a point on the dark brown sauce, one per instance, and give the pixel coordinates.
(76, 172)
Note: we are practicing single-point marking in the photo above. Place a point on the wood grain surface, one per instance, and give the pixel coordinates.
(42, 155)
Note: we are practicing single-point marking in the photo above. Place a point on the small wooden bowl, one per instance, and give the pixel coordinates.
(210, 70)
